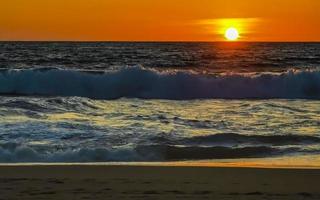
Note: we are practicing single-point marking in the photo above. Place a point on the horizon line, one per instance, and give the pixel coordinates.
(164, 41)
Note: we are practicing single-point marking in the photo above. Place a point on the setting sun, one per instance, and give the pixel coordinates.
(232, 34)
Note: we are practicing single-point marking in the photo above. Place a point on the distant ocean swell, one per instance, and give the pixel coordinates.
(137, 82)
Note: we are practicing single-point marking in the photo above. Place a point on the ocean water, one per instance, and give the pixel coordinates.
(141, 102)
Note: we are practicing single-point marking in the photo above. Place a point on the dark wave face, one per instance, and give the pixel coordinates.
(136, 82)
(138, 154)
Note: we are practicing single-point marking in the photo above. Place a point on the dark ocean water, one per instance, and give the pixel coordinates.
(101, 102)
(199, 57)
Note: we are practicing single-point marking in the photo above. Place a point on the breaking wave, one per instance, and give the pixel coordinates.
(14, 153)
(137, 82)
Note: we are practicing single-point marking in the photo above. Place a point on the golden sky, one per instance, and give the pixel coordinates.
(162, 20)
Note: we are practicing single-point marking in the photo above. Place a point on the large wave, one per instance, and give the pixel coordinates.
(137, 82)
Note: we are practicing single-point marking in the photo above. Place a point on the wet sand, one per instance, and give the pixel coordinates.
(156, 182)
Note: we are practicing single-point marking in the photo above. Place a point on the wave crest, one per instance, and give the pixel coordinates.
(137, 82)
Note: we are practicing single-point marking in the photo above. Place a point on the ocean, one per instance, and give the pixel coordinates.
(156, 102)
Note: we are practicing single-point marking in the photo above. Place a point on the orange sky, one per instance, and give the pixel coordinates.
(162, 20)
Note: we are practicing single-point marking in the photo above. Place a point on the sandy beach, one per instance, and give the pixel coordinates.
(156, 182)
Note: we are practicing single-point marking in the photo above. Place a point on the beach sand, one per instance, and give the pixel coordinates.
(156, 182)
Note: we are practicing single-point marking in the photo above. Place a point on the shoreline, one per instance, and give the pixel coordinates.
(165, 164)
(281, 162)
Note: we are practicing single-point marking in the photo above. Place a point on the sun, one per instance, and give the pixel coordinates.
(231, 34)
